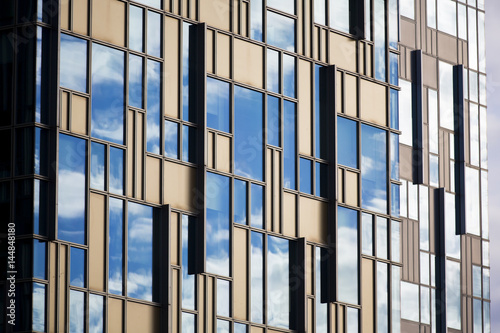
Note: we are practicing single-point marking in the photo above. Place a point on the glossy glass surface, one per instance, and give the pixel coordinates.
(188, 322)
(368, 20)
(248, 133)
(186, 112)
(223, 326)
(108, 93)
(321, 180)
(320, 12)
(188, 144)
(425, 309)
(410, 303)
(431, 14)
(96, 313)
(115, 247)
(484, 205)
(472, 196)
(405, 113)
(38, 80)
(289, 145)
(98, 166)
(477, 315)
(217, 215)
(481, 41)
(486, 253)
(188, 293)
(153, 106)
(474, 134)
(393, 30)
(483, 135)
(473, 86)
(447, 16)
(116, 166)
(273, 121)
(306, 176)
(154, 34)
(396, 241)
(320, 114)
(394, 108)
(412, 201)
(373, 169)
(136, 29)
(240, 328)
(352, 324)
(486, 283)
(339, 15)
(39, 301)
(140, 252)
(396, 299)
(321, 308)
(257, 211)
(78, 264)
(452, 242)
(218, 105)
(394, 156)
(367, 236)
(486, 317)
(273, 71)
(379, 39)
(287, 6)
(382, 298)
(135, 81)
(407, 8)
(152, 3)
(462, 21)
(76, 311)
(446, 94)
(382, 237)
(393, 67)
(40, 204)
(433, 121)
(433, 270)
(453, 306)
(434, 170)
(395, 204)
(171, 139)
(256, 15)
(73, 64)
(257, 277)
(476, 281)
(39, 254)
(240, 201)
(424, 217)
(347, 147)
(289, 69)
(424, 268)
(223, 298)
(472, 41)
(278, 280)
(347, 263)
(71, 189)
(281, 31)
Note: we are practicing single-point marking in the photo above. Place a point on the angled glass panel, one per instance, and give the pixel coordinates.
(39, 254)
(78, 264)
(136, 29)
(287, 6)
(281, 31)
(73, 64)
(347, 147)
(98, 166)
(257, 212)
(289, 69)
(383, 298)
(348, 256)
(321, 180)
(76, 311)
(453, 307)
(452, 242)
(96, 313)
(223, 326)
(379, 40)
(188, 322)
(171, 139)
(108, 93)
(116, 174)
(217, 215)
(188, 144)
(115, 247)
(306, 176)
(71, 189)
(188, 280)
(154, 34)
(289, 145)
(367, 236)
(410, 303)
(382, 233)
(218, 105)
(257, 277)
(135, 81)
(256, 15)
(273, 71)
(153, 106)
(278, 280)
(273, 121)
(405, 113)
(223, 298)
(447, 13)
(39, 311)
(339, 15)
(395, 200)
(240, 201)
(320, 12)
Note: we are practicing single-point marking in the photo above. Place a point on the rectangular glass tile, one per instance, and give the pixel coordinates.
(382, 298)
(188, 144)
(395, 200)
(484, 205)
(39, 259)
(240, 328)
(476, 281)
(339, 15)
(407, 8)
(424, 217)
(447, 12)
(433, 121)
(321, 180)
(412, 201)
(136, 29)
(223, 298)
(76, 311)
(394, 156)
(431, 14)
(256, 15)
(396, 241)
(425, 298)
(446, 92)
(472, 41)
(187, 112)
(135, 81)
(257, 212)
(39, 311)
(116, 173)
(486, 283)
(115, 247)
(96, 313)
(240, 201)
(188, 322)
(462, 21)
(474, 134)
(151, 3)
(97, 166)
(287, 6)
(382, 233)
(257, 277)
(278, 282)
(305, 176)
(472, 198)
(393, 29)
(289, 70)
(453, 298)
(379, 40)
(394, 106)
(73, 65)
(154, 34)
(393, 67)
(223, 326)
(153, 114)
(403, 201)
(405, 113)
(281, 31)
(452, 242)
(477, 315)
(188, 292)
(273, 71)
(347, 136)
(320, 12)
(218, 105)
(289, 145)
(424, 268)
(410, 304)
(396, 299)
(352, 320)
(273, 121)
(348, 258)
(321, 308)
(367, 236)
(483, 136)
(171, 139)
(434, 170)
(320, 114)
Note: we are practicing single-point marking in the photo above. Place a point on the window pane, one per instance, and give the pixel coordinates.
(273, 71)
(115, 244)
(288, 76)
(217, 253)
(281, 31)
(257, 213)
(153, 107)
(305, 176)
(76, 311)
(97, 166)
(433, 122)
(394, 156)
(405, 113)
(393, 32)
(486, 283)
(487, 319)
(256, 20)
(223, 298)
(136, 29)
(39, 301)
(188, 144)
(486, 253)
(320, 114)
(257, 277)
(278, 290)
(321, 308)
(96, 313)
(367, 229)
(476, 281)
(218, 105)
(240, 328)
(339, 15)
(396, 299)
(379, 34)
(424, 217)
(477, 315)
(425, 305)
(287, 6)
(472, 197)
(108, 93)
(223, 326)
(152, 3)
(472, 41)
(396, 241)
(382, 299)
(188, 322)
(452, 242)
(394, 105)
(446, 93)
(273, 121)
(78, 267)
(447, 13)
(347, 147)
(188, 280)
(289, 145)
(395, 200)
(135, 81)
(116, 175)
(407, 8)
(424, 268)
(410, 304)
(187, 114)
(39, 253)
(393, 67)
(352, 320)
(474, 134)
(71, 189)
(348, 255)
(154, 34)
(382, 237)
(73, 66)
(453, 307)
(171, 139)
(434, 170)
(240, 201)
(320, 12)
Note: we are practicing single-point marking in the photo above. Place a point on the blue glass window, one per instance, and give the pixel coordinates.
(188, 280)
(321, 180)
(78, 264)
(98, 166)
(218, 105)
(306, 176)
(153, 107)
(71, 189)
(39, 253)
(273, 71)
(186, 112)
(73, 66)
(382, 232)
(108, 93)
(96, 313)
(287, 6)
(116, 175)
(188, 322)
(257, 277)
(39, 301)
(394, 156)
(476, 281)
(135, 81)
(289, 145)
(379, 39)
(115, 247)
(154, 34)
(393, 67)
(257, 213)
(477, 315)
(434, 170)
(395, 200)
(240, 201)
(348, 258)
(320, 121)
(256, 20)
(394, 105)
(281, 31)
(248, 135)
(77, 311)
(223, 326)
(289, 69)
(136, 29)
(278, 282)
(171, 139)
(218, 203)
(393, 26)
(273, 121)
(152, 3)
(321, 308)
(347, 146)
(339, 15)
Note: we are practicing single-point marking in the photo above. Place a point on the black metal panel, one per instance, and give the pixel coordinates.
(458, 114)
(418, 138)
(440, 239)
(357, 18)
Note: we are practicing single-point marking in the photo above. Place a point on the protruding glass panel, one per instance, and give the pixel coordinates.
(73, 65)
(98, 166)
(152, 3)
(382, 238)
(281, 31)
(115, 246)
(223, 298)
(154, 34)
(140, 252)
(453, 288)
(289, 145)
(76, 311)
(486, 283)
(433, 270)
(273, 121)
(153, 106)
(38, 81)
(403, 202)
(405, 113)
(248, 133)
(367, 236)
(320, 12)
(39, 312)
(321, 180)
(240, 328)
(410, 304)
(412, 201)
(484, 205)
(257, 212)
(135, 81)
(96, 313)
(188, 144)
(379, 39)
(256, 15)
(374, 169)
(39, 255)
(395, 200)
(472, 196)
(424, 217)
(431, 13)
(446, 91)
(407, 8)
(257, 277)
(348, 258)
(352, 320)
(116, 174)
(40, 206)
(305, 176)
(287, 6)
(396, 241)
(447, 11)
(476, 281)
(462, 21)
(394, 156)
(136, 29)
(393, 67)
(289, 70)
(394, 105)
(223, 326)
(321, 308)
(273, 71)
(396, 299)
(472, 41)
(188, 280)
(339, 15)
(278, 282)
(452, 242)
(474, 134)
(218, 203)
(347, 149)
(78, 264)
(171, 139)
(108, 93)
(71, 189)
(382, 298)
(188, 323)
(218, 105)
(425, 309)
(477, 315)
(424, 268)
(240, 201)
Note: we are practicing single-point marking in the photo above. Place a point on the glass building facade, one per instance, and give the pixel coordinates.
(243, 166)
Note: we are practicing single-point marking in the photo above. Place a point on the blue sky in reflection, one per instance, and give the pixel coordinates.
(97, 165)
(153, 106)
(188, 322)
(171, 139)
(96, 313)
(278, 290)
(136, 28)
(76, 311)
(115, 245)
(73, 67)
(39, 307)
(218, 105)
(347, 255)
(382, 298)
(281, 31)
(257, 277)
(188, 280)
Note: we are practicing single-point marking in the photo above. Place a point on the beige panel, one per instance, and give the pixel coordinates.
(108, 21)
(210, 150)
(185, 8)
(210, 51)
(269, 189)
(340, 185)
(79, 114)
(240, 273)
(130, 153)
(201, 303)
(223, 55)
(64, 13)
(351, 95)
(447, 47)
(407, 33)
(315, 41)
(153, 179)
(405, 165)
(192, 9)
(139, 154)
(340, 317)
(429, 74)
(289, 214)
(178, 186)
(80, 16)
(216, 13)
(361, 59)
(288, 229)
(310, 315)
(351, 188)
(210, 303)
(313, 220)
(309, 270)
(174, 238)
(476, 251)
(171, 77)
(63, 286)
(115, 315)
(367, 296)
(373, 102)
(244, 23)
(236, 16)
(411, 327)
(343, 52)
(340, 96)
(64, 110)
(369, 60)
(255, 329)
(223, 153)
(142, 318)
(305, 110)
(333, 317)
(248, 63)
(323, 44)
(97, 232)
(52, 291)
(175, 300)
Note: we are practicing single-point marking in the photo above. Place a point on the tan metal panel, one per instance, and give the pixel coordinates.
(171, 67)
(333, 317)
(80, 16)
(361, 58)
(175, 300)
(63, 287)
(223, 153)
(185, 8)
(429, 66)
(447, 47)
(210, 51)
(342, 51)
(369, 60)
(323, 45)
(139, 154)
(244, 20)
(340, 318)
(240, 281)
(305, 109)
(142, 318)
(367, 296)
(339, 103)
(248, 63)
(174, 238)
(210, 150)
(193, 9)
(289, 214)
(115, 315)
(340, 185)
(315, 43)
(130, 153)
(108, 21)
(65, 14)
(310, 315)
(407, 33)
(255, 329)
(351, 188)
(64, 110)
(313, 220)
(236, 16)
(351, 95)
(309, 270)
(476, 250)
(153, 179)
(373, 102)
(223, 55)
(97, 232)
(216, 13)
(52, 328)
(178, 185)
(79, 114)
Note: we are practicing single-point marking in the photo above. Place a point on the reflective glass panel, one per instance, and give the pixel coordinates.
(367, 229)
(394, 100)
(287, 6)
(393, 31)
(431, 14)
(281, 31)
(116, 165)
(257, 277)
(76, 311)
(78, 264)
(39, 301)
(257, 212)
(379, 39)
(403, 206)
(240, 328)
(425, 309)
(393, 67)
(412, 200)
(188, 280)
(135, 81)
(217, 215)
(347, 147)
(424, 268)
(73, 65)
(278, 280)
(382, 298)
(97, 166)
(396, 299)
(447, 13)
(248, 133)
(368, 20)
(486, 253)
(394, 156)
(409, 301)
(188, 143)
(188, 322)
(152, 3)
(484, 205)
(108, 93)
(96, 313)
(153, 107)
(171, 139)
(486, 317)
(289, 145)
(483, 137)
(433, 122)
(474, 134)
(452, 240)
(395, 200)
(434, 170)
(352, 320)
(320, 12)
(453, 307)
(382, 233)
(446, 93)
(481, 41)
(405, 113)
(472, 41)
(482, 89)
(348, 256)
(486, 283)
(256, 15)
(71, 189)
(339, 15)
(321, 180)
(305, 176)
(477, 315)
(321, 308)
(288, 75)
(462, 21)
(136, 29)
(223, 297)
(472, 196)
(473, 86)
(240, 201)
(223, 326)
(273, 121)
(218, 105)
(424, 217)
(273, 71)
(154, 34)
(407, 8)
(396, 241)
(115, 246)
(186, 112)
(39, 253)
(476, 281)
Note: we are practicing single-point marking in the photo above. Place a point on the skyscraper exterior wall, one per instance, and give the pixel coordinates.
(256, 166)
